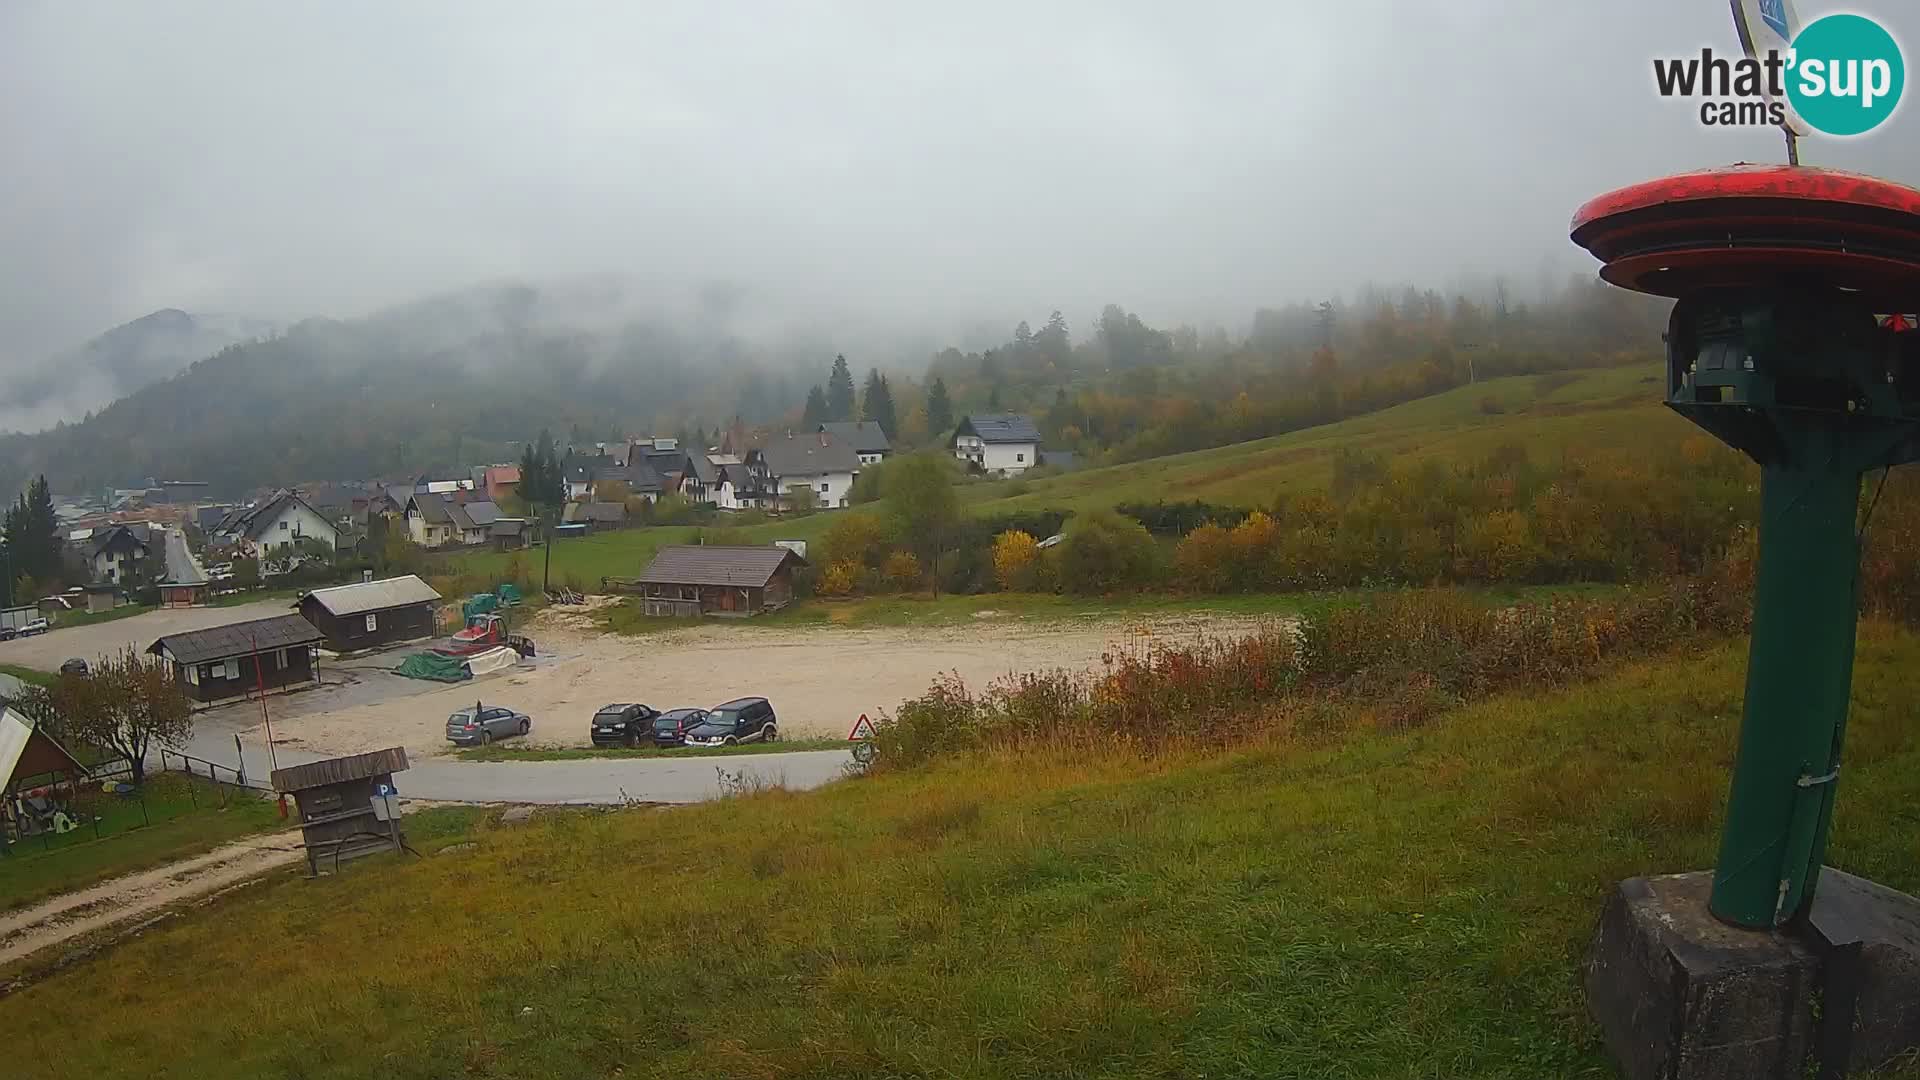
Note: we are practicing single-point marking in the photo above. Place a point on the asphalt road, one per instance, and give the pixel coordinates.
(48, 651)
(601, 781)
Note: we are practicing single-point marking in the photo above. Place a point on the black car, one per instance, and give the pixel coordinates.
(670, 727)
(623, 725)
(742, 720)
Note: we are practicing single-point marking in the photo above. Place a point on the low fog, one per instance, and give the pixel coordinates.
(908, 173)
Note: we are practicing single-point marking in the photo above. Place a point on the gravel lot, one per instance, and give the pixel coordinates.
(49, 650)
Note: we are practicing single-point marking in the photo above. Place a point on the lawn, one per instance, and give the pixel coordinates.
(27, 674)
(1337, 901)
(580, 753)
(181, 817)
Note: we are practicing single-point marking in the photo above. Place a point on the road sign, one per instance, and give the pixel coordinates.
(862, 728)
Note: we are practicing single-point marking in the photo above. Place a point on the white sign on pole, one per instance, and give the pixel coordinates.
(1769, 26)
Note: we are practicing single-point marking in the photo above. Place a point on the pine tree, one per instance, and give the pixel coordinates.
(816, 410)
(877, 403)
(840, 391)
(939, 410)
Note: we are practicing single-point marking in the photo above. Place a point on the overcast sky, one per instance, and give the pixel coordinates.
(916, 161)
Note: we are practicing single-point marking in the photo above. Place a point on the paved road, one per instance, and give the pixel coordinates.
(583, 781)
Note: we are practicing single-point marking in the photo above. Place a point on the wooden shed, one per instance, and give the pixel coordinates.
(714, 579)
(370, 614)
(348, 805)
(222, 663)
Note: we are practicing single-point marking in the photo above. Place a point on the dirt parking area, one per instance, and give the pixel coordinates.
(46, 652)
(819, 679)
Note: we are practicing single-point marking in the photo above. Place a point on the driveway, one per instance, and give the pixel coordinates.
(46, 652)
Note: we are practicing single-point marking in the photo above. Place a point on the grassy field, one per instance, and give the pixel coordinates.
(1598, 409)
(578, 753)
(182, 817)
(1339, 902)
(27, 674)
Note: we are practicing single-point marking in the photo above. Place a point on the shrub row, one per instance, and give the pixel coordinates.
(1403, 656)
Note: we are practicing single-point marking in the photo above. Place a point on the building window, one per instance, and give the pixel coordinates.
(280, 660)
(230, 669)
(283, 526)
(1019, 457)
(823, 489)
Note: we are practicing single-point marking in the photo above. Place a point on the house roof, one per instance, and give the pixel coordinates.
(703, 468)
(482, 512)
(506, 527)
(182, 567)
(117, 536)
(1000, 428)
(807, 454)
(865, 436)
(717, 564)
(238, 639)
(365, 596)
(502, 474)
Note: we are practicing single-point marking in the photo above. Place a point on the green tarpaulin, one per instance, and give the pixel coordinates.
(479, 604)
(509, 595)
(435, 667)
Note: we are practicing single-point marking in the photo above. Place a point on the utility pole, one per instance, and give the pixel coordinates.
(546, 574)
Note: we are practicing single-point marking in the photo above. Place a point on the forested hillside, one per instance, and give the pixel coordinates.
(462, 380)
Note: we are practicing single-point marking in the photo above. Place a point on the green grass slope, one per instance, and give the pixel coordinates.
(1360, 904)
(1599, 409)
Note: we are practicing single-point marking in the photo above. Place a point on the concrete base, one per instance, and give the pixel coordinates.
(1681, 995)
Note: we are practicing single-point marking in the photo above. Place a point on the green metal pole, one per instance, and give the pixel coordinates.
(1799, 679)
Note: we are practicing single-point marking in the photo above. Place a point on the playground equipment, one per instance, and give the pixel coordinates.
(1777, 345)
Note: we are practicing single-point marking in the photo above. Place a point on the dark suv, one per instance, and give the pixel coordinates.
(670, 728)
(743, 720)
(623, 725)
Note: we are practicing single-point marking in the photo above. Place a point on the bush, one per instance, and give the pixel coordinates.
(901, 572)
(837, 579)
(1016, 558)
(858, 537)
(1492, 405)
(1179, 518)
(1104, 552)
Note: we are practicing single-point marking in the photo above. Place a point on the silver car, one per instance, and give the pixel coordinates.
(482, 724)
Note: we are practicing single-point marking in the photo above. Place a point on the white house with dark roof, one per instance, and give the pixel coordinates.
(281, 521)
(1004, 444)
(814, 461)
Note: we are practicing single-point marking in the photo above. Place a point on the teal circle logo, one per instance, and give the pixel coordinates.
(1846, 75)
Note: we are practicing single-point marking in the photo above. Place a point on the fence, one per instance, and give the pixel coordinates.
(49, 819)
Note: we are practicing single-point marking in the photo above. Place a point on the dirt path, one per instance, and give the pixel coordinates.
(63, 918)
(820, 679)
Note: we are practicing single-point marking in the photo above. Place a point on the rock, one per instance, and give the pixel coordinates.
(517, 814)
(465, 845)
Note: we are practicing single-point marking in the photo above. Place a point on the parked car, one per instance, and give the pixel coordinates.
(37, 626)
(623, 725)
(7, 633)
(670, 728)
(742, 720)
(484, 723)
(74, 666)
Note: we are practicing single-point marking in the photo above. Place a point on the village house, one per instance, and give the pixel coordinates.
(222, 663)
(1002, 444)
(436, 521)
(115, 553)
(867, 437)
(508, 534)
(596, 516)
(370, 614)
(713, 579)
(812, 461)
(274, 524)
(500, 481)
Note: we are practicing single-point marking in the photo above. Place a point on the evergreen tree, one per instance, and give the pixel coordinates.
(840, 391)
(32, 535)
(816, 410)
(939, 410)
(877, 403)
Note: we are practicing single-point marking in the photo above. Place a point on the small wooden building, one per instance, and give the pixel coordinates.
(712, 579)
(240, 659)
(29, 755)
(348, 805)
(371, 614)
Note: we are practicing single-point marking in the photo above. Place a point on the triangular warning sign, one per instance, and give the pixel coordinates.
(862, 728)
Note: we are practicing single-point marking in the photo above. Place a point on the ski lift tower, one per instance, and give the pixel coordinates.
(1775, 346)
